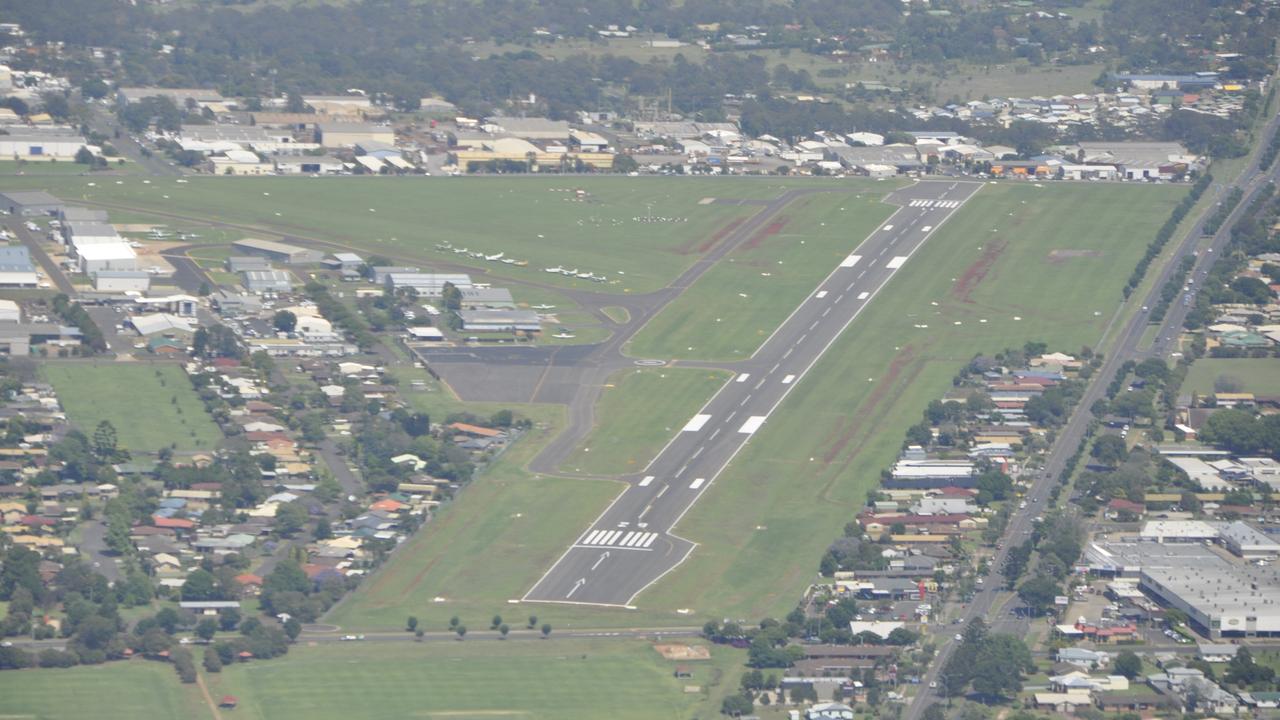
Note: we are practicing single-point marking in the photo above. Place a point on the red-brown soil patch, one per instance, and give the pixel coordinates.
(975, 273)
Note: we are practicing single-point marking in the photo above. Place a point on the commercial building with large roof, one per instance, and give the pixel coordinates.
(1166, 531)
(16, 267)
(426, 284)
(280, 252)
(29, 202)
(1220, 601)
(106, 256)
(500, 321)
(529, 128)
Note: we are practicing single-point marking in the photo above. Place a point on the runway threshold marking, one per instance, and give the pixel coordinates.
(645, 482)
(850, 261)
(695, 424)
(897, 262)
(752, 424)
(697, 483)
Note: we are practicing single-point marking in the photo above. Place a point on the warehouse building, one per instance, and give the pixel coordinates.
(16, 268)
(40, 146)
(348, 135)
(1225, 601)
(500, 321)
(77, 213)
(106, 256)
(200, 96)
(261, 281)
(528, 128)
(29, 203)
(122, 281)
(279, 252)
(429, 285)
(78, 233)
(10, 312)
(1248, 542)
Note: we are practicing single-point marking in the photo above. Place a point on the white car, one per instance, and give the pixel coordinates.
(959, 636)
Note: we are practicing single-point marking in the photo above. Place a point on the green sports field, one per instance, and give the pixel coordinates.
(476, 680)
(1255, 375)
(638, 413)
(114, 691)
(730, 311)
(151, 406)
(640, 233)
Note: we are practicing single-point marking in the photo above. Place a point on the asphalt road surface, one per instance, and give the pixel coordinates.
(632, 544)
(1127, 347)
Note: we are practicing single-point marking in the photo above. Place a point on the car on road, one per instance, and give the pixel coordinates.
(352, 637)
(959, 636)
(933, 684)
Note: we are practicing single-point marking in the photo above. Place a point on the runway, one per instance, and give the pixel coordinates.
(632, 543)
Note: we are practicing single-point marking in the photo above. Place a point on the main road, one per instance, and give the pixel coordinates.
(1127, 346)
(632, 543)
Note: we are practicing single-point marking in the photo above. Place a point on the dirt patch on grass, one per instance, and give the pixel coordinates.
(690, 247)
(768, 231)
(844, 434)
(683, 652)
(975, 273)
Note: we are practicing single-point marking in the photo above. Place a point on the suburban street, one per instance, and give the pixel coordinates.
(632, 543)
(1127, 346)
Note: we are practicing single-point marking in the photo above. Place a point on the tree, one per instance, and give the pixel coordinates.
(104, 441)
(1109, 450)
(737, 705)
(419, 634)
(1128, 664)
(206, 629)
(200, 585)
(291, 517)
(504, 629)
(1039, 592)
(228, 619)
(212, 662)
(546, 630)
(497, 620)
(84, 156)
(533, 621)
(461, 630)
(284, 321)
(411, 624)
(292, 628)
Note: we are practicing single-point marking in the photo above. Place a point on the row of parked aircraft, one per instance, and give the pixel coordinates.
(496, 257)
(574, 273)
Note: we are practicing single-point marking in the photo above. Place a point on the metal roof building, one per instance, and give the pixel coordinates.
(35, 202)
(500, 321)
(280, 252)
(267, 281)
(427, 284)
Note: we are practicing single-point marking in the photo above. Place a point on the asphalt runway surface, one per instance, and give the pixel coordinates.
(632, 544)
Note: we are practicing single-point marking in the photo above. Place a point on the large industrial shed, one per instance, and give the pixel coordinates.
(279, 252)
(36, 202)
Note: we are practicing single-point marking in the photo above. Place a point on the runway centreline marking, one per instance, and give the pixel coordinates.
(701, 484)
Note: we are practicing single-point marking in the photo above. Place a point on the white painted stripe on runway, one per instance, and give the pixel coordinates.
(696, 423)
(851, 261)
(826, 312)
(645, 482)
(648, 540)
(636, 540)
(821, 294)
(743, 377)
(591, 538)
(887, 228)
(896, 262)
(608, 538)
(926, 228)
(626, 539)
(863, 295)
(788, 379)
(752, 424)
(697, 483)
